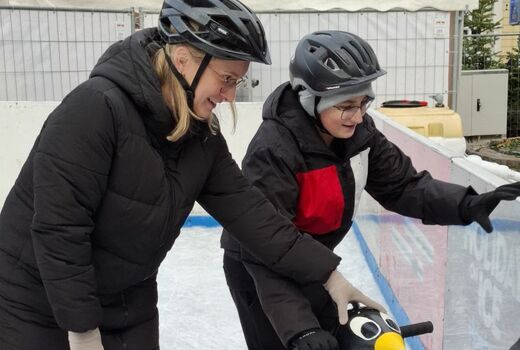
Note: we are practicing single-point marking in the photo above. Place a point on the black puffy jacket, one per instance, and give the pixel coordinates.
(319, 188)
(103, 195)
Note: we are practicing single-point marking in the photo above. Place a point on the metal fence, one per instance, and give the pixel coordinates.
(498, 50)
(416, 49)
(45, 53)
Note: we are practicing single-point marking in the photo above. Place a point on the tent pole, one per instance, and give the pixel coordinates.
(456, 59)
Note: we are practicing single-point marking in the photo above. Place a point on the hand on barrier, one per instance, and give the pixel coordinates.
(90, 340)
(343, 293)
(479, 207)
(314, 339)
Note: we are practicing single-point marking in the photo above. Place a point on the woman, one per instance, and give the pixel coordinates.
(113, 175)
(314, 153)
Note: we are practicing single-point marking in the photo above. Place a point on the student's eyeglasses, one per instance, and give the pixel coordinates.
(349, 111)
(228, 81)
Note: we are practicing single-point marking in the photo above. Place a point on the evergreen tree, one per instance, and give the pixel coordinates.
(513, 93)
(478, 51)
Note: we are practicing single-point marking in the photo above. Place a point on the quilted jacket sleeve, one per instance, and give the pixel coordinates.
(71, 167)
(394, 182)
(252, 220)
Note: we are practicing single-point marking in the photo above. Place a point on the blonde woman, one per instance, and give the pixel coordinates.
(115, 172)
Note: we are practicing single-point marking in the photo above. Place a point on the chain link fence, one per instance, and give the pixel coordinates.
(415, 48)
(45, 53)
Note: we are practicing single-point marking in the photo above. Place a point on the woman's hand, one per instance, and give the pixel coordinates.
(343, 293)
(90, 340)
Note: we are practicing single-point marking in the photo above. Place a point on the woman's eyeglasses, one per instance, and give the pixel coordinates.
(228, 81)
(349, 111)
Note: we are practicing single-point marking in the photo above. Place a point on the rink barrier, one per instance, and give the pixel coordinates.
(396, 309)
(467, 282)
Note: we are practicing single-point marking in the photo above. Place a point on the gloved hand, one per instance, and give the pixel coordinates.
(479, 207)
(90, 340)
(343, 293)
(314, 339)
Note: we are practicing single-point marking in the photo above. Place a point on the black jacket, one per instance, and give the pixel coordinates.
(103, 195)
(318, 188)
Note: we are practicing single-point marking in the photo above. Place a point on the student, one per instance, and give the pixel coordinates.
(314, 153)
(115, 172)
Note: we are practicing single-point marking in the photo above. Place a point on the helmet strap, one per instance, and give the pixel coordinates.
(202, 68)
(190, 90)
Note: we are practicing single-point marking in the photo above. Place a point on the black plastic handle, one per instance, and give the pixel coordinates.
(416, 329)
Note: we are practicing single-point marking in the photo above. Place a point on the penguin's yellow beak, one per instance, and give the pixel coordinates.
(389, 341)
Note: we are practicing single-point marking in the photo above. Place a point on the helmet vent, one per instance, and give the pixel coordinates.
(230, 5)
(329, 62)
(312, 49)
(199, 3)
(191, 24)
(259, 34)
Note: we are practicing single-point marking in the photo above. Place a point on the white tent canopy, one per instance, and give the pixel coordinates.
(265, 5)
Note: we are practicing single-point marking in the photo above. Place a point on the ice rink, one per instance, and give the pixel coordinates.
(196, 309)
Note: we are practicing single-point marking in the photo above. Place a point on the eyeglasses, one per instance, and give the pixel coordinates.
(228, 81)
(350, 111)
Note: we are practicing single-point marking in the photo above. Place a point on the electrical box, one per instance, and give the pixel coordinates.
(482, 102)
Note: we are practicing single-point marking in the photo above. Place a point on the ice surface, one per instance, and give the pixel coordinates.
(196, 309)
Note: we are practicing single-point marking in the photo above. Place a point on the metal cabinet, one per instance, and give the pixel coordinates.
(482, 102)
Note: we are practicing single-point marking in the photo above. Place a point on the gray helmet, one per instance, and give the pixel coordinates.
(226, 28)
(327, 62)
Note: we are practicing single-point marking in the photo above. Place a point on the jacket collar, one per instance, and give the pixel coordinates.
(283, 107)
(128, 64)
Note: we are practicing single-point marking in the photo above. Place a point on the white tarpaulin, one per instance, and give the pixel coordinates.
(266, 5)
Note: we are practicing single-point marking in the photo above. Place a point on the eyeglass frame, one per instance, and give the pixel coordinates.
(352, 110)
(228, 81)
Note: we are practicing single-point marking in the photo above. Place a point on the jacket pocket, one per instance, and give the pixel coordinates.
(320, 202)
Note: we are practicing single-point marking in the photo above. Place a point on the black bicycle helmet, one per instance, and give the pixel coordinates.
(227, 29)
(326, 62)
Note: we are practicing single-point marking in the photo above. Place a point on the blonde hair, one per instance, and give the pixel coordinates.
(175, 96)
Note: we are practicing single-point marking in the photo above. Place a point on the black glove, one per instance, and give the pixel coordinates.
(314, 339)
(479, 207)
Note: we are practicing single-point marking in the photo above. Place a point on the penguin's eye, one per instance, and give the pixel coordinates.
(390, 322)
(365, 328)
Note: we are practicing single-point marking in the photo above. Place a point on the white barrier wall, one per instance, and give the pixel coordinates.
(409, 255)
(20, 123)
(482, 303)
(465, 281)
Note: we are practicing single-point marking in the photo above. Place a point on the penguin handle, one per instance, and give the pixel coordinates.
(416, 329)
